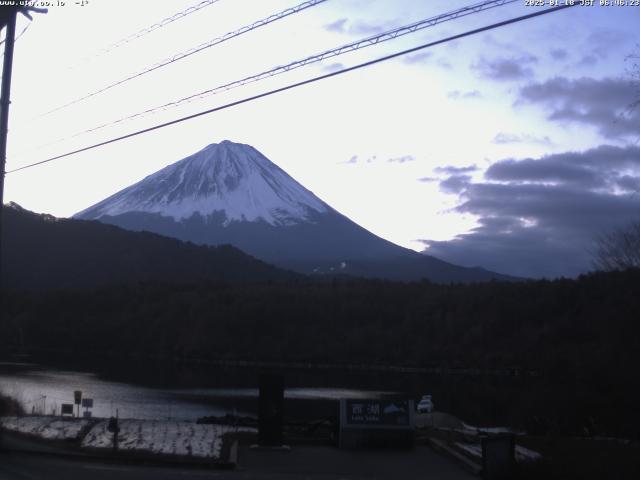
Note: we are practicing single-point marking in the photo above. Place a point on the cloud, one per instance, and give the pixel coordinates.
(539, 217)
(558, 54)
(546, 170)
(402, 159)
(333, 67)
(602, 103)
(506, 69)
(598, 46)
(366, 28)
(588, 61)
(603, 42)
(505, 138)
(429, 179)
(444, 64)
(345, 26)
(586, 170)
(455, 184)
(339, 26)
(417, 58)
(493, 42)
(457, 94)
(399, 160)
(450, 170)
(352, 161)
(629, 183)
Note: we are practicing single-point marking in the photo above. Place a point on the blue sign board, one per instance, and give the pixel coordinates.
(376, 422)
(378, 412)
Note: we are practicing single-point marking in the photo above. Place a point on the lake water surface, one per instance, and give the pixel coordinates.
(187, 391)
(155, 395)
(165, 390)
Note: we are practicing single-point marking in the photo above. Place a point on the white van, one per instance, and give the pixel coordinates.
(425, 405)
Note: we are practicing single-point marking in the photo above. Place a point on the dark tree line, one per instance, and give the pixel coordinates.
(582, 336)
(562, 327)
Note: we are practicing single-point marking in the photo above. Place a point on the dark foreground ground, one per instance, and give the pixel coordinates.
(311, 463)
(25, 459)
(563, 458)
(575, 458)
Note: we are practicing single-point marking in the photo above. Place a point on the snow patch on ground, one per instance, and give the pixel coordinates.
(163, 437)
(146, 436)
(473, 449)
(522, 454)
(474, 429)
(49, 428)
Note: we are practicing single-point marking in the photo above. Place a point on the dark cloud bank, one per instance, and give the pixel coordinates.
(539, 217)
(603, 103)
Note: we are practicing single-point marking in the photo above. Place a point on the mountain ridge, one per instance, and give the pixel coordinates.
(41, 251)
(231, 193)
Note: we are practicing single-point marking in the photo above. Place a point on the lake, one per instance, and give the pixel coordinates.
(169, 390)
(159, 391)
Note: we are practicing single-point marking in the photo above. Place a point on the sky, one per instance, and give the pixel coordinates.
(512, 149)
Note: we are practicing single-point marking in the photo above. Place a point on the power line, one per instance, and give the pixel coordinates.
(350, 47)
(140, 33)
(299, 84)
(22, 32)
(187, 53)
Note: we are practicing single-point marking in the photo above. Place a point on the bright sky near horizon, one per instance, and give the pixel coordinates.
(511, 149)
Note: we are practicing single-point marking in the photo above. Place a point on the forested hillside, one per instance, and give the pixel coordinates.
(44, 252)
(565, 327)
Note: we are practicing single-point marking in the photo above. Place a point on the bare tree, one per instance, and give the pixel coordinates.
(619, 249)
(633, 71)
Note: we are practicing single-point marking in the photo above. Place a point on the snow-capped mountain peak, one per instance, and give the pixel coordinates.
(229, 178)
(229, 193)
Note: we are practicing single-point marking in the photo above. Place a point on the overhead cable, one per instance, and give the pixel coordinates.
(140, 33)
(299, 84)
(187, 53)
(341, 50)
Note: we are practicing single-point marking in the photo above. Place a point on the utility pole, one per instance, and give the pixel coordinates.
(8, 15)
(5, 101)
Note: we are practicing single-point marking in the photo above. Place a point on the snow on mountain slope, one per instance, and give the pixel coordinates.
(230, 193)
(228, 177)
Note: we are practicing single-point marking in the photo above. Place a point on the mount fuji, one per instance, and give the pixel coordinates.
(229, 193)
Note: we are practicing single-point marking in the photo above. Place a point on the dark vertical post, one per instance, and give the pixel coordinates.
(114, 428)
(498, 456)
(77, 399)
(116, 431)
(4, 119)
(271, 410)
